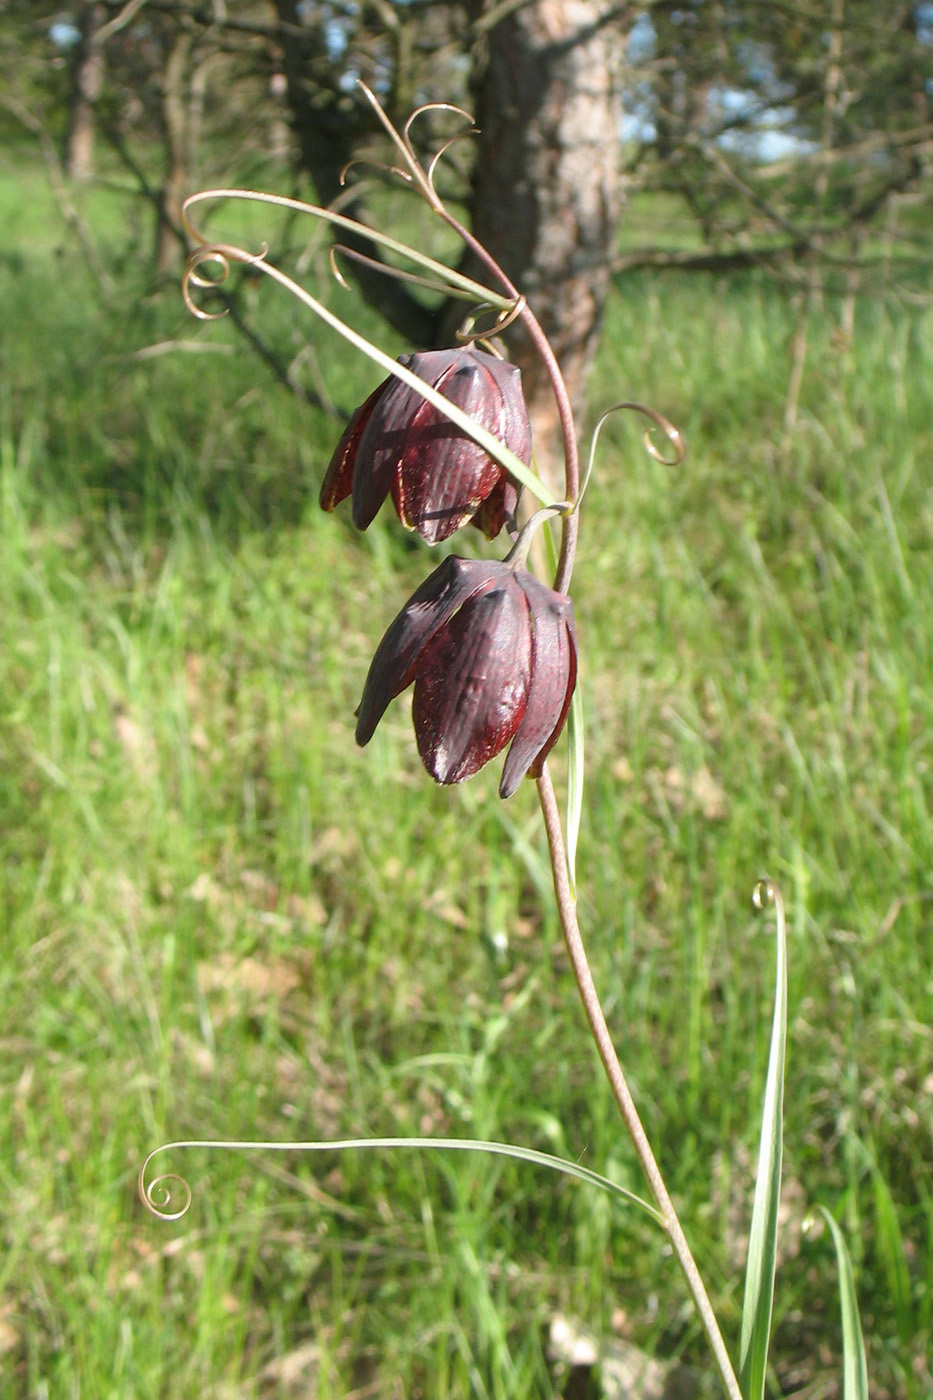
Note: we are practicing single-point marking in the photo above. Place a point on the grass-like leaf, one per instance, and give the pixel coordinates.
(575, 764)
(762, 1243)
(454, 282)
(575, 755)
(855, 1369)
(161, 1194)
(892, 1255)
(225, 253)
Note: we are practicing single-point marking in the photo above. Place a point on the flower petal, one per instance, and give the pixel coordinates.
(553, 676)
(498, 509)
(471, 682)
(444, 475)
(382, 447)
(437, 491)
(514, 426)
(437, 475)
(429, 607)
(338, 479)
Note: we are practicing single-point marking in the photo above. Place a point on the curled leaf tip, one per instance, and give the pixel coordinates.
(468, 329)
(438, 107)
(167, 1196)
(192, 278)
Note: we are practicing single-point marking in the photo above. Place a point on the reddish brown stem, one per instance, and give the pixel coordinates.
(566, 907)
(569, 522)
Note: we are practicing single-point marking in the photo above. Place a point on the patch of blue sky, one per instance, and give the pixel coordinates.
(64, 34)
(765, 134)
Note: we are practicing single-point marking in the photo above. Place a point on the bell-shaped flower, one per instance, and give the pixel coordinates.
(492, 654)
(398, 444)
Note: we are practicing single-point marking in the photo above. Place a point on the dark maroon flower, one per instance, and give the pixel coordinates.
(492, 653)
(438, 477)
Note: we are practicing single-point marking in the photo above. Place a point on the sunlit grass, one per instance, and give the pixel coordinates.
(221, 919)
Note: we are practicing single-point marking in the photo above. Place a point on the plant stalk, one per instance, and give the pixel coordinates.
(566, 907)
(570, 523)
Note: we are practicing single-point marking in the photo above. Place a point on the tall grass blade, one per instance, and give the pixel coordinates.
(855, 1369)
(889, 1244)
(762, 1243)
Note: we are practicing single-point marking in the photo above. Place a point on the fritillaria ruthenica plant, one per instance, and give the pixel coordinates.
(491, 652)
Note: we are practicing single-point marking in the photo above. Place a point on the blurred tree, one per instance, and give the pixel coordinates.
(541, 188)
(786, 130)
(784, 127)
(87, 81)
(33, 71)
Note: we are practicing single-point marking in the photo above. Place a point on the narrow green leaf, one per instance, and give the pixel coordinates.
(574, 783)
(549, 537)
(855, 1368)
(575, 738)
(762, 1243)
(575, 756)
(154, 1191)
(488, 441)
(889, 1244)
(456, 281)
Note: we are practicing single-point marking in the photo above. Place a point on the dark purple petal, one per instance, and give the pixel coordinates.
(471, 682)
(443, 475)
(513, 427)
(429, 607)
(384, 443)
(338, 479)
(553, 676)
(437, 475)
(380, 453)
(498, 509)
(442, 478)
(535, 767)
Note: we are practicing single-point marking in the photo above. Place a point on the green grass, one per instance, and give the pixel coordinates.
(223, 920)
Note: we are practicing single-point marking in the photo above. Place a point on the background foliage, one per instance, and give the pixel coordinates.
(222, 920)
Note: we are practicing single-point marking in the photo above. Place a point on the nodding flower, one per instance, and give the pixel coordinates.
(492, 654)
(439, 478)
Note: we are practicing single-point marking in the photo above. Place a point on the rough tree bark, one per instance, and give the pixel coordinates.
(547, 189)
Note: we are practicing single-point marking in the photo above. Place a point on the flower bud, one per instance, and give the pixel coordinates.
(439, 478)
(492, 654)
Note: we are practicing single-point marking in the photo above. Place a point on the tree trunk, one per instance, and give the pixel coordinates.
(546, 185)
(547, 190)
(326, 129)
(87, 81)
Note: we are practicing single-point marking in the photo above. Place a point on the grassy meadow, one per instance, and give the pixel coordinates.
(222, 920)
